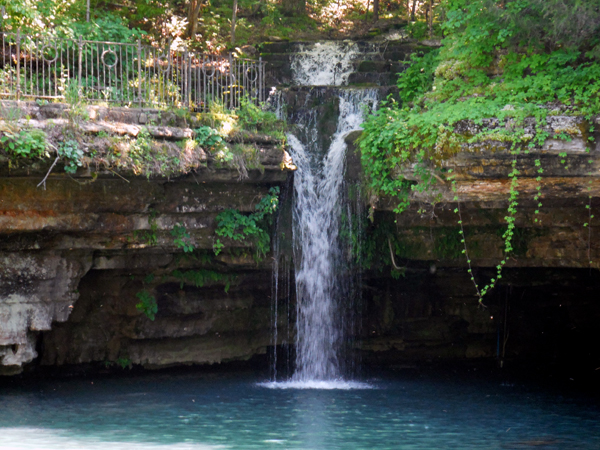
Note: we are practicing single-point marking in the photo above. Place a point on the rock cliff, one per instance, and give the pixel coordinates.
(77, 257)
(79, 250)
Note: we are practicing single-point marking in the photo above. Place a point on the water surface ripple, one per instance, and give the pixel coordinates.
(226, 412)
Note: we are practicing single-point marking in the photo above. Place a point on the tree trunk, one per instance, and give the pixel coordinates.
(375, 10)
(193, 11)
(430, 21)
(233, 19)
(412, 13)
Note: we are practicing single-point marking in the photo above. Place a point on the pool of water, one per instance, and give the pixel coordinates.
(237, 412)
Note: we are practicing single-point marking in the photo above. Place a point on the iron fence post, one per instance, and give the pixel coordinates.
(230, 82)
(260, 80)
(80, 65)
(18, 65)
(190, 83)
(139, 64)
(185, 97)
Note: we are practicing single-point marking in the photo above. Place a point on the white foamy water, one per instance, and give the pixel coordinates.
(324, 63)
(317, 384)
(317, 209)
(44, 439)
(276, 102)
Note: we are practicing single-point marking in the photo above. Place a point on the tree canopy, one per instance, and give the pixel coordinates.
(208, 24)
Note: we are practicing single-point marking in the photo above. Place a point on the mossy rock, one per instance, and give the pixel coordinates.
(277, 47)
(373, 66)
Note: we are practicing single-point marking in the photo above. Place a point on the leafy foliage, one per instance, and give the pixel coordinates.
(169, 22)
(69, 150)
(208, 137)
(147, 304)
(25, 143)
(252, 117)
(480, 73)
(67, 18)
(252, 228)
(182, 238)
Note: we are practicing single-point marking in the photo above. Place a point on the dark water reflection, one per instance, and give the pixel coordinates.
(226, 411)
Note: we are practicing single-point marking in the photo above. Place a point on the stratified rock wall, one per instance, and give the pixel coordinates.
(76, 253)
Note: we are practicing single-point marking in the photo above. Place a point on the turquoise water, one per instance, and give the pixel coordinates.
(234, 412)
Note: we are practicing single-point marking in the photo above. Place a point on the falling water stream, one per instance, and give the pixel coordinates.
(318, 204)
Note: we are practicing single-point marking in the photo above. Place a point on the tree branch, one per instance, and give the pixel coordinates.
(50, 170)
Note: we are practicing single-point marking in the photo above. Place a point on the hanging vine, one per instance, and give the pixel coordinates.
(508, 234)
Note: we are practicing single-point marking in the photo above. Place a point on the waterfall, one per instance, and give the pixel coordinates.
(317, 210)
(320, 260)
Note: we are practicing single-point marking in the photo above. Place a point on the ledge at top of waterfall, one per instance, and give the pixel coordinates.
(325, 63)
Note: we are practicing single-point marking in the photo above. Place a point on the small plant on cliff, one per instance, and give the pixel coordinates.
(208, 137)
(182, 238)
(246, 157)
(251, 228)
(25, 143)
(69, 150)
(147, 304)
(140, 152)
(124, 363)
(211, 140)
(77, 111)
(149, 237)
(257, 118)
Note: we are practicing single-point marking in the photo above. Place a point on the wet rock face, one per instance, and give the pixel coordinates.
(535, 316)
(71, 249)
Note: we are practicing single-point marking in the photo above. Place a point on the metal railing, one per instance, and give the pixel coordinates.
(38, 67)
